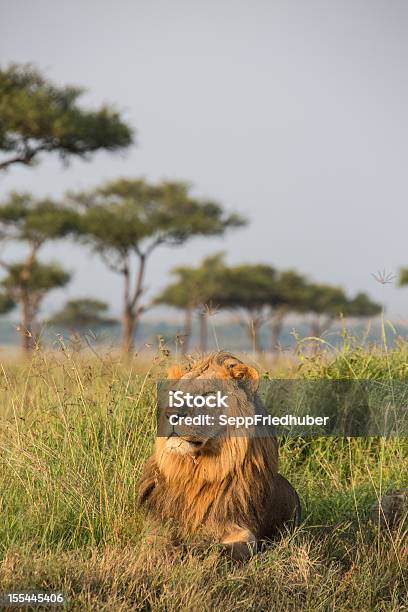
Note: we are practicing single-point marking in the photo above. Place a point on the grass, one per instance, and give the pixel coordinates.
(74, 434)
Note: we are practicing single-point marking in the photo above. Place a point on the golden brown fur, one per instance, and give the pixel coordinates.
(228, 488)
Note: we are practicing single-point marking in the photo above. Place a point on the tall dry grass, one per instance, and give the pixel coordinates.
(74, 434)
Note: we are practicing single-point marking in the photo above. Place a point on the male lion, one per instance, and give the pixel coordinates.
(225, 487)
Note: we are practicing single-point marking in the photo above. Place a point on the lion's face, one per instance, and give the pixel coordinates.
(208, 376)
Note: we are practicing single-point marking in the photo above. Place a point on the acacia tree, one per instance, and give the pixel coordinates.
(328, 302)
(193, 291)
(361, 306)
(249, 290)
(31, 222)
(82, 313)
(181, 295)
(210, 278)
(37, 116)
(289, 296)
(325, 303)
(30, 289)
(124, 221)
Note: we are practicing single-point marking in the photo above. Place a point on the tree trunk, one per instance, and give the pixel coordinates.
(29, 301)
(188, 315)
(35, 335)
(128, 329)
(132, 309)
(25, 327)
(276, 328)
(203, 331)
(253, 333)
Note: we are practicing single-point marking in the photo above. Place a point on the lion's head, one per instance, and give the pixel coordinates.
(214, 451)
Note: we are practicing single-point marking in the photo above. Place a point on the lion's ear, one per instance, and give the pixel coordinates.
(175, 372)
(246, 373)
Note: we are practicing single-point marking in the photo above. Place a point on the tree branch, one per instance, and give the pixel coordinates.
(18, 159)
(26, 157)
(139, 281)
(126, 291)
(114, 267)
(153, 245)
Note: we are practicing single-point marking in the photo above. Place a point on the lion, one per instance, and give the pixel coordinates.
(226, 487)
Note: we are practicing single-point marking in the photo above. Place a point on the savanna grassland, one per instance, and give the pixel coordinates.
(75, 431)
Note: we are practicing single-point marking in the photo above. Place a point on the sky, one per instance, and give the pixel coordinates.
(292, 113)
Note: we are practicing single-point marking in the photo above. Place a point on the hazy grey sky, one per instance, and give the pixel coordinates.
(291, 112)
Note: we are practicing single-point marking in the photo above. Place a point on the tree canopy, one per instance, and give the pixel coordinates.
(194, 289)
(194, 286)
(248, 286)
(362, 306)
(82, 313)
(24, 218)
(29, 289)
(259, 293)
(332, 301)
(42, 278)
(131, 215)
(324, 299)
(37, 116)
(403, 277)
(127, 219)
(33, 222)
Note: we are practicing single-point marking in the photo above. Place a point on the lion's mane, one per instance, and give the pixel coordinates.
(237, 484)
